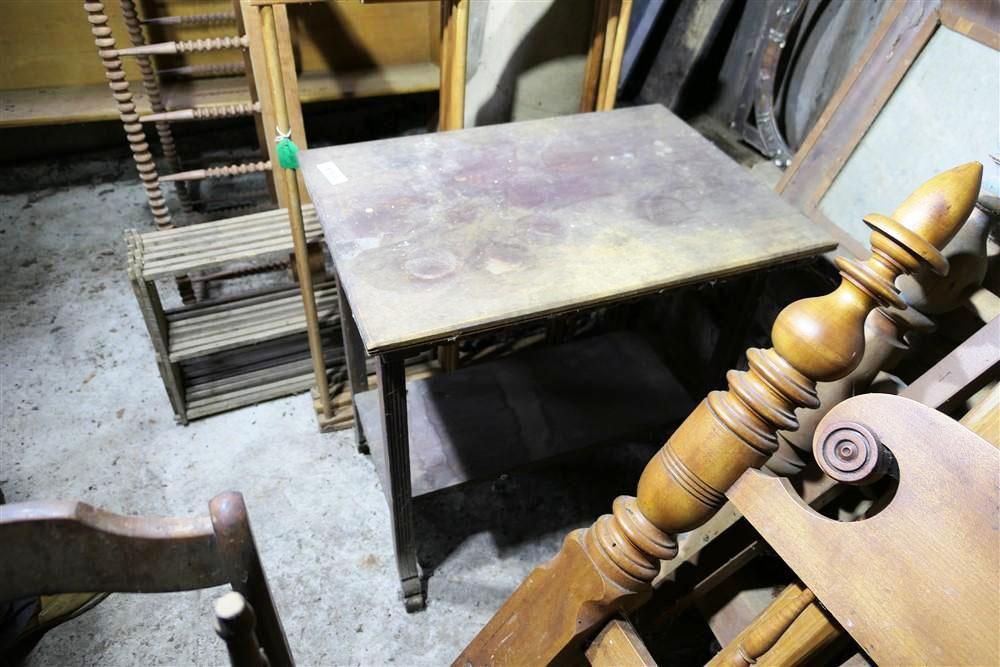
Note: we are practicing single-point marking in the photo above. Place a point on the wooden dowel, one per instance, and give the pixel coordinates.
(234, 622)
(446, 63)
(766, 631)
(218, 69)
(211, 112)
(595, 54)
(192, 19)
(219, 172)
(191, 46)
(621, 36)
(610, 31)
(272, 58)
(460, 47)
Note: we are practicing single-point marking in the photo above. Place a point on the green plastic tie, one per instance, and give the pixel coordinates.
(288, 152)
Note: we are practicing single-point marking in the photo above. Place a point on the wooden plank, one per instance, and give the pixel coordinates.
(619, 645)
(914, 584)
(984, 418)
(485, 419)
(44, 41)
(595, 55)
(963, 372)
(187, 345)
(491, 226)
(91, 103)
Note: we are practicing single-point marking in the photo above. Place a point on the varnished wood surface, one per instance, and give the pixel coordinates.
(487, 418)
(443, 234)
(619, 645)
(916, 583)
(810, 632)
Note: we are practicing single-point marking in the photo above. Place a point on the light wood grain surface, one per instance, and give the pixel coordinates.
(439, 235)
(917, 582)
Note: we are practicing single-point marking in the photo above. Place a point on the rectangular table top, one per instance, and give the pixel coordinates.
(442, 234)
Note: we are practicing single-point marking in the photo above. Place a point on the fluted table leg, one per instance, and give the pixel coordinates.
(391, 373)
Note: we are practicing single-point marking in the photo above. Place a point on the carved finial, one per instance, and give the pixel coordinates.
(815, 340)
(823, 337)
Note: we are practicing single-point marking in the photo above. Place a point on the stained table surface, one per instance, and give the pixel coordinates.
(442, 234)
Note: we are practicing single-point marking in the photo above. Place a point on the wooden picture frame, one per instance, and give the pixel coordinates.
(905, 30)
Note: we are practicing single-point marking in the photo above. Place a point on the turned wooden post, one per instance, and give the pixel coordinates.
(115, 74)
(765, 632)
(235, 623)
(612, 563)
(152, 87)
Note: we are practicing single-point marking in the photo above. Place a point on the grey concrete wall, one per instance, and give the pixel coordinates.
(945, 112)
(526, 59)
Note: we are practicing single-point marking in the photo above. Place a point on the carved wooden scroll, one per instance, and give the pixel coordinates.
(612, 563)
(915, 584)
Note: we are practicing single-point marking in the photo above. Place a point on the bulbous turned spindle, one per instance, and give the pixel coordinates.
(122, 93)
(152, 86)
(210, 112)
(212, 69)
(887, 331)
(220, 172)
(766, 631)
(189, 46)
(611, 564)
(210, 18)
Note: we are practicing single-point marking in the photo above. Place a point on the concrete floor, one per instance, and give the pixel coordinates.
(84, 416)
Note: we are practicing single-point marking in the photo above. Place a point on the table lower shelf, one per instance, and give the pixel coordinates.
(483, 420)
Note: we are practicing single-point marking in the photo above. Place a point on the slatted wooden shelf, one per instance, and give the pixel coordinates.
(176, 252)
(239, 350)
(203, 331)
(281, 368)
(84, 104)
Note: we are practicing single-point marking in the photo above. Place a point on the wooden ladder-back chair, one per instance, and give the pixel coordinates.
(52, 547)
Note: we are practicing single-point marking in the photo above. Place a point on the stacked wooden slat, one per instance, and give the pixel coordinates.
(219, 355)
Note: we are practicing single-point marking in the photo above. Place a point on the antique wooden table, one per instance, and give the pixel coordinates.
(443, 235)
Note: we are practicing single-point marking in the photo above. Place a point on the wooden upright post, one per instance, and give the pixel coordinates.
(611, 564)
(291, 181)
(454, 53)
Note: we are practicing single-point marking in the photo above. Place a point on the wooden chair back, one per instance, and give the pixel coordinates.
(53, 547)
